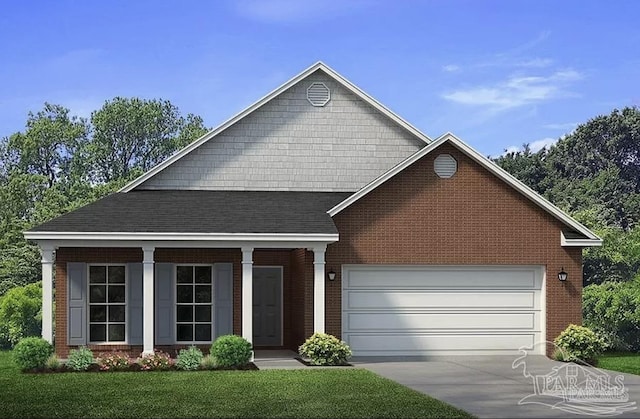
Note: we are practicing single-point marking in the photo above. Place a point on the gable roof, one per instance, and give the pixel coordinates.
(198, 212)
(306, 73)
(586, 236)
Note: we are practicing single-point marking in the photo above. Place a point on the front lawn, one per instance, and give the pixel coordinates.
(329, 393)
(620, 361)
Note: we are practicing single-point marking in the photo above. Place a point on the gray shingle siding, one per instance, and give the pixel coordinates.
(290, 145)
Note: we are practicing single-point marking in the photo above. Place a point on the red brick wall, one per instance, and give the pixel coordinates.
(472, 218)
(297, 311)
(302, 297)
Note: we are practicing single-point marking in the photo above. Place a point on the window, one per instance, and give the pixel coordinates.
(193, 304)
(107, 303)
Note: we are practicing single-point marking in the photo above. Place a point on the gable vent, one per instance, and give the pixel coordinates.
(445, 166)
(318, 94)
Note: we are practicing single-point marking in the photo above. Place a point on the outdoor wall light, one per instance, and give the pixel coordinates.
(331, 274)
(562, 275)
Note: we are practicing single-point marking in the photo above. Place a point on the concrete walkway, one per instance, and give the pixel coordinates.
(277, 359)
(489, 386)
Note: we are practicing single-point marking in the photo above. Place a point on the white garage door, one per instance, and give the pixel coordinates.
(437, 310)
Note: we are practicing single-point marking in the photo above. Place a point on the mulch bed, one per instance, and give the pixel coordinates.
(309, 364)
(133, 367)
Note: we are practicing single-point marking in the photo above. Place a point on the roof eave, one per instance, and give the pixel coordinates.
(137, 236)
(595, 242)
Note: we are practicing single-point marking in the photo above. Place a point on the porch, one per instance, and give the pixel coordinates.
(271, 293)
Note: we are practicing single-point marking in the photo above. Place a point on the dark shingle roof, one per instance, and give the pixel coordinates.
(203, 212)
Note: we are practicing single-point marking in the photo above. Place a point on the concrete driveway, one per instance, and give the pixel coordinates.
(489, 386)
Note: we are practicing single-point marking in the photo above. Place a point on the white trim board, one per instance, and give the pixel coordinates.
(233, 237)
(317, 66)
(592, 238)
(189, 244)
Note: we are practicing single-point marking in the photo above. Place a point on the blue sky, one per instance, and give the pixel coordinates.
(495, 73)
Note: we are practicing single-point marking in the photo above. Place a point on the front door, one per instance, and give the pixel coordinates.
(267, 306)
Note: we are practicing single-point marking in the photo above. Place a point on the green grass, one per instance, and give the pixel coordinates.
(329, 393)
(628, 362)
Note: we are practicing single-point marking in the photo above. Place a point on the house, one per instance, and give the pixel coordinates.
(315, 209)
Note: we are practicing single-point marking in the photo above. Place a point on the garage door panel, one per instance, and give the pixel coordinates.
(386, 277)
(424, 310)
(398, 300)
(439, 321)
(407, 344)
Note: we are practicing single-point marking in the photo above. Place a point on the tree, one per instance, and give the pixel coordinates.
(612, 309)
(19, 266)
(618, 259)
(47, 145)
(19, 194)
(526, 166)
(599, 163)
(20, 313)
(136, 134)
(594, 175)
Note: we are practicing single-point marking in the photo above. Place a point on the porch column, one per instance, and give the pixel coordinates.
(247, 293)
(318, 289)
(47, 293)
(147, 300)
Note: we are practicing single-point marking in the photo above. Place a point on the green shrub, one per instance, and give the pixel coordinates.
(579, 343)
(53, 362)
(208, 363)
(20, 313)
(560, 355)
(189, 359)
(324, 349)
(231, 351)
(115, 361)
(158, 360)
(612, 310)
(80, 359)
(30, 353)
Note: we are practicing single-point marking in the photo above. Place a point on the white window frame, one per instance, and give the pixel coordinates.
(176, 304)
(126, 305)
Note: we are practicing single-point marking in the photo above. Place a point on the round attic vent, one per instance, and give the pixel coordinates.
(445, 166)
(318, 94)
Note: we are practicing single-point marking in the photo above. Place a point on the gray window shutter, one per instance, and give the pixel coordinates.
(77, 292)
(165, 324)
(223, 304)
(134, 319)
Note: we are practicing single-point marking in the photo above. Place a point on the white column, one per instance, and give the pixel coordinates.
(47, 293)
(318, 289)
(147, 300)
(247, 293)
